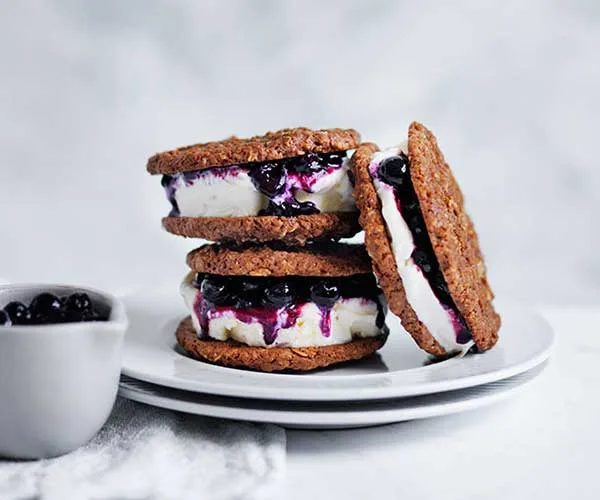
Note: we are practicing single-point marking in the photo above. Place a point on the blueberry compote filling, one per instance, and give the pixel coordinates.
(278, 303)
(277, 180)
(395, 171)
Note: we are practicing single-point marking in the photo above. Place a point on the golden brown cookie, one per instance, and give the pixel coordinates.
(270, 359)
(285, 143)
(291, 230)
(453, 238)
(452, 235)
(316, 259)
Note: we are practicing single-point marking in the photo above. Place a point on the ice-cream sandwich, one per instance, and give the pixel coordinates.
(291, 185)
(272, 307)
(423, 245)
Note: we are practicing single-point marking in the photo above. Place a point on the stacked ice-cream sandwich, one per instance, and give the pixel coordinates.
(275, 291)
(278, 291)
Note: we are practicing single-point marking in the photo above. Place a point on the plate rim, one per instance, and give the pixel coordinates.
(387, 391)
(357, 417)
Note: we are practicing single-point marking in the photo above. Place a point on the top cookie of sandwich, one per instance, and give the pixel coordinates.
(286, 143)
(318, 259)
(452, 235)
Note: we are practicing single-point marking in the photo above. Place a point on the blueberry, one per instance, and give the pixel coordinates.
(240, 302)
(77, 303)
(268, 178)
(214, 290)
(324, 293)
(272, 209)
(420, 258)
(4, 319)
(394, 170)
(411, 207)
(416, 226)
(249, 289)
(279, 295)
(335, 158)
(18, 313)
(290, 209)
(440, 285)
(46, 308)
(308, 164)
(306, 208)
(248, 286)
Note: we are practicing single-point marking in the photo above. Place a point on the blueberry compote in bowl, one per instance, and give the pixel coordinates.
(60, 361)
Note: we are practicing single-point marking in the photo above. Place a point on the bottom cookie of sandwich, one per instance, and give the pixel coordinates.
(268, 359)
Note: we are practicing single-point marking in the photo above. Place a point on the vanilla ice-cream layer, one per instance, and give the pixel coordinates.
(441, 317)
(296, 325)
(276, 188)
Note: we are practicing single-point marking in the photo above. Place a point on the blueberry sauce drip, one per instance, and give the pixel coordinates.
(277, 180)
(168, 182)
(395, 171)
(277, 302)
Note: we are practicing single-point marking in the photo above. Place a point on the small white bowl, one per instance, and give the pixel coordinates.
(58, 382)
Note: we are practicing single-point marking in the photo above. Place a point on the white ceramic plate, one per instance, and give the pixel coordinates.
(400, 369)
(338, 415)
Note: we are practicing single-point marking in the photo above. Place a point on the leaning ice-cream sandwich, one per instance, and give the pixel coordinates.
(424, 248)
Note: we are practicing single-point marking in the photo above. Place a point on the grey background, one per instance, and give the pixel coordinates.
(89, 90)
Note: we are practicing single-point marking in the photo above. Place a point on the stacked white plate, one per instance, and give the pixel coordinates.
(399, 383)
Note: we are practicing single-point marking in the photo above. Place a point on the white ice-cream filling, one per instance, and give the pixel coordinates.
(230, 192)
(441, 321)
(302, 325)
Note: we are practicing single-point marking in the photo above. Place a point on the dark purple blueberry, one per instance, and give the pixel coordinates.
(324, 293)
(410, 208)
(46, 308)
(440, 287)
(268, 178)
(214, 291)
(279, 295)
(420, 259)
(248, 286)
(18, 313)
(335, 158)
(394, 170)
(250, 290)
(272, 209)
(77, 303)
(4, 319)
(241, 302)
(303, 208)
(416, 226)
(166, 180)
(308, 164)
(290, 209)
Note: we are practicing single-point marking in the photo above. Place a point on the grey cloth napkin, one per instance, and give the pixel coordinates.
(149, 453)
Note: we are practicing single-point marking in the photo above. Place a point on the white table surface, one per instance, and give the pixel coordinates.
(541, 444)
